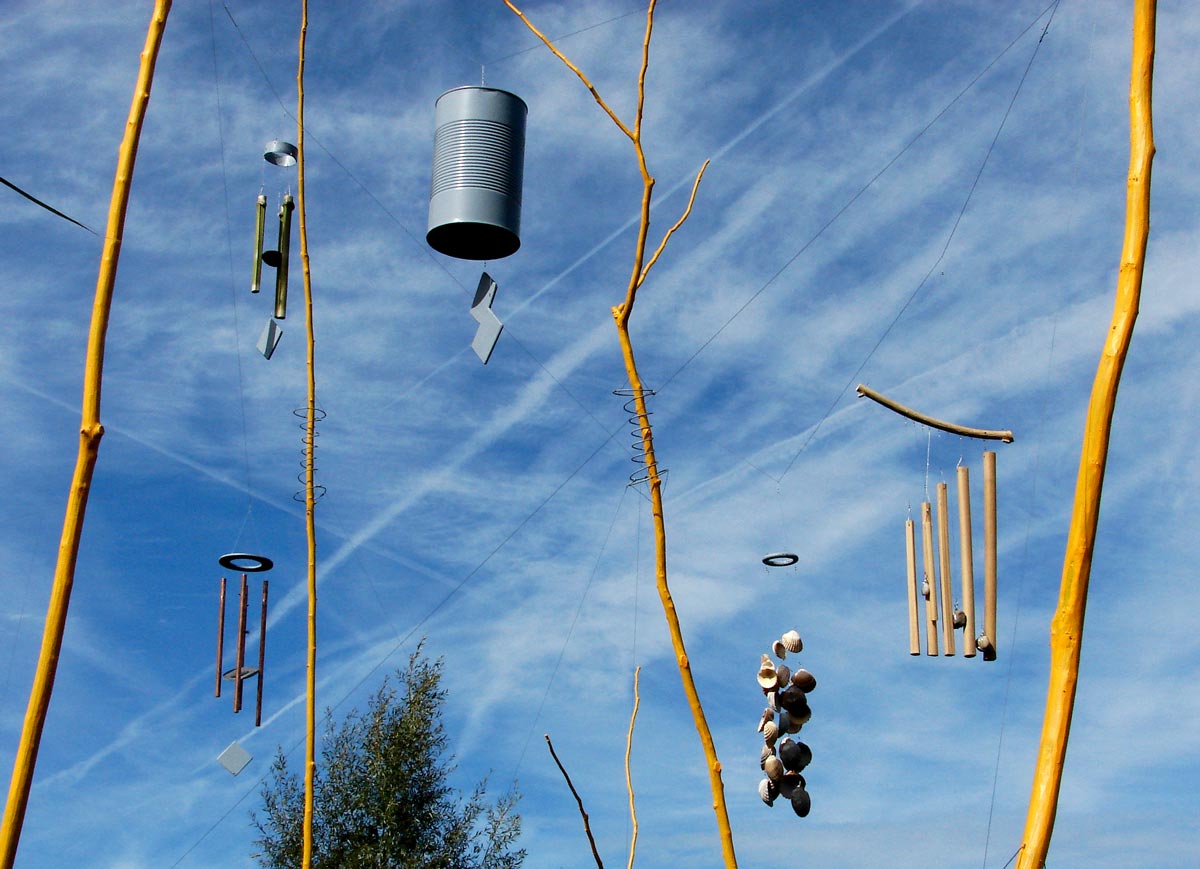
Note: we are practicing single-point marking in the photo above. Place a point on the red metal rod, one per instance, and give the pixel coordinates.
(262, 656)
(241, 649)
(220, 637)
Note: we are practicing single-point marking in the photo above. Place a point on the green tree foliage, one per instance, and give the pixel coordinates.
(382, 798)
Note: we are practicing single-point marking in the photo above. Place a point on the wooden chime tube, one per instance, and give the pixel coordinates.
(943, 532)
(260, 224)
(220, 636)
(931, 600)
(910, 561)
(262, 655)
(989, 553)
(285, 241)
(966, 559)
(241, 648)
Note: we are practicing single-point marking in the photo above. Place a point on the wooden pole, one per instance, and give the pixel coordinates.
(221, 637)
(989, 555)
(262, 656)
(929, 587)
(90, 433)
(966, 559)
(910, 562)
(943, 532)
(1066, 629)
(241, 648)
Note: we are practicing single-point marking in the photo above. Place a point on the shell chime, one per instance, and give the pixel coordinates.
(935, 587)
(783, 759)
(282, 154)
(246, 563)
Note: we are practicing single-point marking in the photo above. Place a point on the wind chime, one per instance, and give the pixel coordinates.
(475, 195)
(245, 563)
(935, 587)
(783, 759)
(281, 154)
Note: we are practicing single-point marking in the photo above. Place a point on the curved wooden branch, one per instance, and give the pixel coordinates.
(637, 701)
(965, 431)
(587, 828)
(670, 232)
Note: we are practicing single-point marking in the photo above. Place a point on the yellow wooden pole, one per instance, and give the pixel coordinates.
(310, 500)
(1066, 630)
(90, 433)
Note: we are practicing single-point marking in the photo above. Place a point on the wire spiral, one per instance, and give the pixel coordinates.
(638, 434)
(318, 489)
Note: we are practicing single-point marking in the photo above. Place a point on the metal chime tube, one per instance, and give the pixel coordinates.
(241, 648)
(262, 656)
(966, 559)
(220, 636)
(931, 601)
(260, 224)
(285, 239)
(943, 529)
(910, 552)
(989, 553)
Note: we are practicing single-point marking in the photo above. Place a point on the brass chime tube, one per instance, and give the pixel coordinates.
(966, 559)
(943, 532)
(220, 636)
(931, 601)
(910, 551)
(989, 553)
(285, 239)
(260, 225)
(262, 656)
(241, 648)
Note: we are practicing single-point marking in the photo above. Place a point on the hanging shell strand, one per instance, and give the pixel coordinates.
(782, 760)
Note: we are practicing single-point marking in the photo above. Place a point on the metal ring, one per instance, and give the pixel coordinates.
(258, 563)
(780, 559)
(280, 153)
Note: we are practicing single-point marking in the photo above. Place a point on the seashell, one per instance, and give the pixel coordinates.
(789, 783)
(795, 722)
(804, 680)
(784, 672)
(768, 751)
(772, 700)
(767, 677)
(768, 715)
(960, 619)
(795, 756)
(768, 791)
(791, 641)
(793, 700)
(773, 767)
(770, 733)
(779, 649)
(801, 801)
(925, 589)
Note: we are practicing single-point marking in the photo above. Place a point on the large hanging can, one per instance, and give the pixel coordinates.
(478, 163)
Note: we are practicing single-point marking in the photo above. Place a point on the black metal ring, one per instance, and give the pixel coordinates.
(258, 563)
(780, 559)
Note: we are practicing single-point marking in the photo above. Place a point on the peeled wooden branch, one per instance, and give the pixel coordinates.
(924, 419)
(637, 701)
(587, 828)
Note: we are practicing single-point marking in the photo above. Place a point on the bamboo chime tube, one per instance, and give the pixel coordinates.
(967, 559)
(943, 531)
(285, 240)
(910, 547)
(241, 648)
(989, 553)
(262, 656)
(929, 590)
(260, 224)
(220, 635)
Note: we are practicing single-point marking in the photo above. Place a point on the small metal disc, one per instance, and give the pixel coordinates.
(780, 559)
(256, 563)
(280, 153)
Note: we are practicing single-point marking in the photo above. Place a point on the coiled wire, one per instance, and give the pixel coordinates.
(642, 474)
(318, 489)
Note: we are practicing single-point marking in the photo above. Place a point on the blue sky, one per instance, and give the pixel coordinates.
(504, 487)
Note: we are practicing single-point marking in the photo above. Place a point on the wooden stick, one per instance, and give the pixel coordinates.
(966, 559)
(241, 647)
(637, 701)
(1066, 628)
(262, 656)
(943, 532)
(989, 554)
(587, 828)
(931, 606)
(924, 419)
(910, 561)
(220, 637)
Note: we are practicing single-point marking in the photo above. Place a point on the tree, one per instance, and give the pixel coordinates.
(382, 798)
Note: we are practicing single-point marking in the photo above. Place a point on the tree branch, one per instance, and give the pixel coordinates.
(587, 828)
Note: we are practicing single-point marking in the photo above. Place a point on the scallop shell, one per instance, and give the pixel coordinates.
(779, 649)
(768, 791)
(804, 680)
(770, 733)
(791, 641)
(789, 783)
(801, 802)
(767, 677)
(784, 672)
(772, 700)
(768, 715)
(773, 767)
(768, 751)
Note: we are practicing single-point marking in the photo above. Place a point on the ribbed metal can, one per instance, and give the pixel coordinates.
(478, 168)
